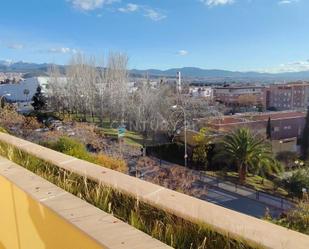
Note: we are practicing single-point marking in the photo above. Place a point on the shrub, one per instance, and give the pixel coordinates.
(3, 130)
(112, 163)
(31, 123)
(74, 148)
(287, 157)
(296, 219)
(297, 181)
(171, 152)
(10, 118)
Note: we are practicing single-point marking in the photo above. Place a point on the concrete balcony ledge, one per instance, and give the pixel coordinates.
(253, 231)
(37, 214)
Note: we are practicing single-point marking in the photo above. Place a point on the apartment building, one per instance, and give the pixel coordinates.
(285, 124)
(240, 95)
(288, 96)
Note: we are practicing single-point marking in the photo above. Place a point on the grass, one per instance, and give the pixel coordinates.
(131, 137)
(252, 181)
(172, 230)
(74, 148)
(296, 219)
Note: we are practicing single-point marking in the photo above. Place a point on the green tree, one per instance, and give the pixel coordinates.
(268, 129)
(39, 100)
(266, 166)
(248, 151)
(304, 144)
(202, 145)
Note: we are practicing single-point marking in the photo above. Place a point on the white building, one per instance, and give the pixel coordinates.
(21, 93)
(201, 92)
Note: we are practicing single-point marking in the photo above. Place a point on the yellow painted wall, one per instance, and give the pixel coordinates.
(27, 224)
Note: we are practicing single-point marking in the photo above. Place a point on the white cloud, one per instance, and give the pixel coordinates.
(297, 66)
(287, 1)
(216, 2)
(154, 15)
(131, 7)
(182, 52)
(88, 5)
(15, 46)
(63, 50)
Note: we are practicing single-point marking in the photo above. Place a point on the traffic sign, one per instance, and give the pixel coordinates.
(121, 132)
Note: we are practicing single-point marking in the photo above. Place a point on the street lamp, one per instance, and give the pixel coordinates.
(185, 131)
(1, 98)
(280, 142)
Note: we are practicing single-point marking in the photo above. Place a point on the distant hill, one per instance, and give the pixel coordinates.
(30, 69)
(34, 69)
(194, 72)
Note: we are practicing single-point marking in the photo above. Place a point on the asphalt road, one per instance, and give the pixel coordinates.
(239, 203)
(243, 200)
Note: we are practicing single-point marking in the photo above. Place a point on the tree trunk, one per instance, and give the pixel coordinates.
(242, 173)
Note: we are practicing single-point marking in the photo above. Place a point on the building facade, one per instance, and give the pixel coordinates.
(284, 125)
(240, 95)
(201, 92)
(288, 96)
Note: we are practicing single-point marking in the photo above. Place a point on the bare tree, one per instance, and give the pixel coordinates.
(117, 85)
(82, 77)
(56, 90)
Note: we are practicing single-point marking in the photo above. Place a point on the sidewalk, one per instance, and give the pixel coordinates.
(268, 199)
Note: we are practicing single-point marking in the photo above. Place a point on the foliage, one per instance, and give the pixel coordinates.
(296, 219)
(3, 130)
(112, 163)
(31, 123)
(74, 148)
(202, 146)
(39, 100)
(249, 152)
(10, 118)
(266, 166)
(170, 229)
(304, 143)
(173, 152)
(287, 157)
(297, 181)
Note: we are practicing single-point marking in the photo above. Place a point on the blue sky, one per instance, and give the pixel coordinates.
(271, 35)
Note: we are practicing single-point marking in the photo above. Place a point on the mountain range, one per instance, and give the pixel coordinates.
(187, 72)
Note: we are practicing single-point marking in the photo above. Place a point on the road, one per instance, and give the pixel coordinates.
(228, 195)
(239, 203)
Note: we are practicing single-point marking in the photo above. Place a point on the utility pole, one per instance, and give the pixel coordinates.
(179, 82)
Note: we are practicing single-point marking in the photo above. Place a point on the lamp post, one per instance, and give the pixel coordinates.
(280, 142)
(185, 131)
(1, 98)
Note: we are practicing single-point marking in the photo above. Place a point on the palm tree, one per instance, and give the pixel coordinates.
(249, 152)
